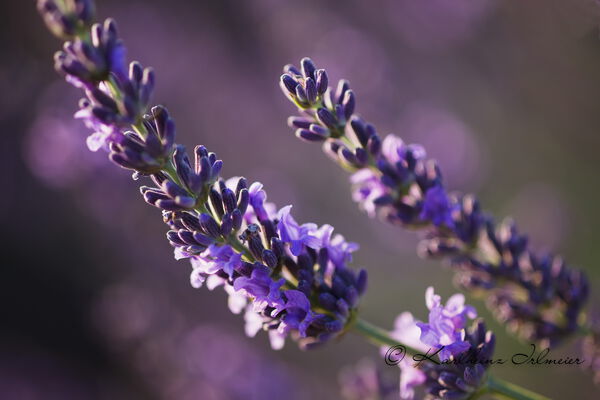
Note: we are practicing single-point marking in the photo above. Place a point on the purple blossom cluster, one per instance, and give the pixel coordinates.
(290, 279)
(293, 280)
(398, 183)
(463, 350)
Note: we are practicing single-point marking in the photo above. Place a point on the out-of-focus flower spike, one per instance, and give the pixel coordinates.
(66, 18)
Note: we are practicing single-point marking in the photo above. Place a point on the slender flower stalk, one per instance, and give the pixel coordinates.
(537, 296)
(289, 279)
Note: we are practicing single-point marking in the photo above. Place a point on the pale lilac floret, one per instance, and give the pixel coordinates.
(446, 324)
(367, 187)
(339, 251)
(407, 332)
(297, 235)
(392, 148)
(256, 322)
(197, 278)
(265, 291)
(216, 258)
(298, 314)
(410, 377)
(445, 329)
(261, 209)
(103, 134)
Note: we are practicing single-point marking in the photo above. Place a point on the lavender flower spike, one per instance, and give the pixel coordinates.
(464, 351)
(289, 279)
(398, 183)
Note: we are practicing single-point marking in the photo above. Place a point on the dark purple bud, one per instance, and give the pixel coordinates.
(174, 238)
(342, 307)
(256, 247)
(340, 114)
(374, 145)
(278, 247)
(215, 170)
(203, 240)
(269, 258)
(299, 122)
(351, 296)
(289, 83)
(187, 237)
(360, 130)
(241, 184)
(311, 90)
(328, 301)
(102, 98)
(209, 225)
(305, 287)
(290, 69)
(327, 118)
(199, 153)
(229, 200)
(189, 221)
(152, 196)
(136, 71)
(237, 218)
(216, 201)
(301, 94)
(309, 136)
(349, 103)
(334, 326)
(226, 224)
(308, 68)
(361, 281)
(348, 156)
(321, 81)
(203, 169)
(361, 156)
(172, 189)
(319, 129)
(185, 201)
(182, 165)
(342, 87)
(243, 200)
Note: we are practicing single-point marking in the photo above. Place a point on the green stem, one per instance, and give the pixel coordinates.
(494, 386)
(507, 390)
(378, 336)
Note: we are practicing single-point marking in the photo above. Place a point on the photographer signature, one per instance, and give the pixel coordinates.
(395, 354)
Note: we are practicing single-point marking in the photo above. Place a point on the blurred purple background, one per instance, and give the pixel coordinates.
(504, 94)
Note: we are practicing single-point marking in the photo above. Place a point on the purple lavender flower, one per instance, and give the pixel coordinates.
(437, 207)
(399, 184)
(291, 279)
(445, 324)
(298, 236)
(465, 351)
(410, 378)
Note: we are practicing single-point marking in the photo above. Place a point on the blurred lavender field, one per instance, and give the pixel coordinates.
(504, 94)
